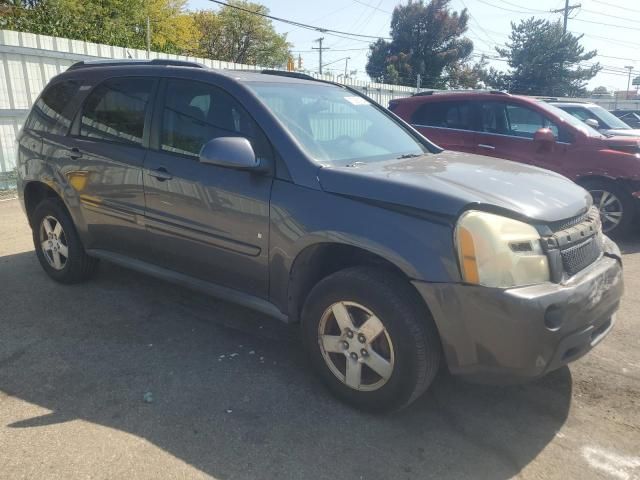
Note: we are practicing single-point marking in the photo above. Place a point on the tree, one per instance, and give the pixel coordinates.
(426, 39)
(476, 75)
(546, 61)
(236, 35)
(600, 91)
(114, 22)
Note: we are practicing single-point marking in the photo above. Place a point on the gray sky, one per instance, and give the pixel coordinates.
(610, 26)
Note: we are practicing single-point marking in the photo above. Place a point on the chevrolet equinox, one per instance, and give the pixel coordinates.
(308, 201)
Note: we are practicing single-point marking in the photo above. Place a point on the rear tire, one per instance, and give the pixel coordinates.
(58, 246)
(617, 207)
(391, 352)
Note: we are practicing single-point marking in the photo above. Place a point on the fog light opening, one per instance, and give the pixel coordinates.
(553, 318)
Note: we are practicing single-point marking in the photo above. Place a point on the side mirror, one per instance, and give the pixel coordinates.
(544, 136)
(230, 152)
(593, 123)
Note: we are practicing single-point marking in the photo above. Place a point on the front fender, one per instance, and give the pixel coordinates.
(303, 217)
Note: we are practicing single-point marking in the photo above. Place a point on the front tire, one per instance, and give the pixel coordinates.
(58, 245)
(370, 339)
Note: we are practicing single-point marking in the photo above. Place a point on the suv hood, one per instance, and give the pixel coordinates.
(627, 132)
(447, 182)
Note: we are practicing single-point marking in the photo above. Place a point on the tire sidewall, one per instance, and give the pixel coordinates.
(400, 386)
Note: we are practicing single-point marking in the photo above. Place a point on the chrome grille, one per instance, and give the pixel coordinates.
(580, 256)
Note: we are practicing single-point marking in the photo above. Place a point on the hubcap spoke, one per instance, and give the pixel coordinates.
(372, 328)
(45, 246)
(47, 226)
(342, 316)
(354, 373)
(332, 344)
(603, 199)
(57, 261)
(57, 230)
(63, 250)
(378, 364)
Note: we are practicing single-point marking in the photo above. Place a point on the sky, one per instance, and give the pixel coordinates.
(611, 27)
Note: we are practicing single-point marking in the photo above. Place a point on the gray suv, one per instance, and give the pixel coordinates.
(307, 201)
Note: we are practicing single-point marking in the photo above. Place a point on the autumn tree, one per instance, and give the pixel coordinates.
(113, 22)
(544, 60)
(239, 33)
(426, 39)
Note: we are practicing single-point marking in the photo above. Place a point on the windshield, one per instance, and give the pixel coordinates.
(335, 126)
(570, 119)
(608, 119)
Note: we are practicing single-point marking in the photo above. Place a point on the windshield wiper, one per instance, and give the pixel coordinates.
(409, 155)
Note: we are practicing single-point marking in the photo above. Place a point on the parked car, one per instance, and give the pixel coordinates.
(598, 118)
(630, 117)
(305, 200)
(532, 131)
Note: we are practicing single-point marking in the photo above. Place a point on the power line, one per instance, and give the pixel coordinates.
(595, 12)
(607, 24)
(295, 23)
(616, 6)
(371, 6)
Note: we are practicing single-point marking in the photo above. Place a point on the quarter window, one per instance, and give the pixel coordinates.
(196, 112)
(456, 115)
(50, 113)
(115, 110)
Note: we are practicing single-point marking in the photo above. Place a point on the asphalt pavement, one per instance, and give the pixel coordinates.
(130, 377)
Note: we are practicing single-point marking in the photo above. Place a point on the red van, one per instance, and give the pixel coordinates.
(531, 131)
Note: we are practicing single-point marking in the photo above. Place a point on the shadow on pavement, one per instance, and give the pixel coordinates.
(93, 351)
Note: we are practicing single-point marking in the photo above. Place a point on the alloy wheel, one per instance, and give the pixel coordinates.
(610, 208)
(53, 242)
(356, 346)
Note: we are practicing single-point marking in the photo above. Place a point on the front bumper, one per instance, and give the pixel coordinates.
(510, 335)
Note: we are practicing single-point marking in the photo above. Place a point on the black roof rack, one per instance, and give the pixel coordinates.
(119, 63)
(286, 73)
(437, 92)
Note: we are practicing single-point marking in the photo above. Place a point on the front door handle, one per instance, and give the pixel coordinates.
(161, 174)
(75, 153)
(488, 147)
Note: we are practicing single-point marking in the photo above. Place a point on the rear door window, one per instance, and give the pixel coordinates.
(51, 113)
(115, 110)
(517, 121)
(455, 115)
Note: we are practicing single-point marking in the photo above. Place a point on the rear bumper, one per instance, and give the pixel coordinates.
(510, 335)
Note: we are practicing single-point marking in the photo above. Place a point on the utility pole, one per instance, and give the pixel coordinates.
(346, 63)
(320, 48)
(148, 37)
(630, 68)
(567, 8)
(418, 82)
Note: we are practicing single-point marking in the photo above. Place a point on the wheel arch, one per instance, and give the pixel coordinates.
(319, 260)
(34, 192)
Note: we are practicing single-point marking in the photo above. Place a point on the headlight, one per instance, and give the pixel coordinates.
(497, 251)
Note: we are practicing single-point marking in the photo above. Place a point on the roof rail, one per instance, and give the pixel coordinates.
(120, 63)
(286, 73)
(440, 92)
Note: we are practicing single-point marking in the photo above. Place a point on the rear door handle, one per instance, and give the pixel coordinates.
(488, 147)
(75, 153)
(161, 174)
